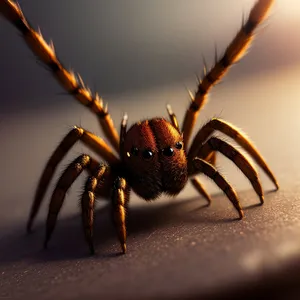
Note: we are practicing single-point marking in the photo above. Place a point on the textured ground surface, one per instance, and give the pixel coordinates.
(177, 248)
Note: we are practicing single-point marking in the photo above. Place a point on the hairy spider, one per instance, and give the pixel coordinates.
(154, 156)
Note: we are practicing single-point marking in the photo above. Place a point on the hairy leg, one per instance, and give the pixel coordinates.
(76, 134)
(201, 166)
(65, 181)
(70, 81)
(215, 144)
(237, 135)
(236, 49)
(211, 159)
(120, 199)
(87, 204)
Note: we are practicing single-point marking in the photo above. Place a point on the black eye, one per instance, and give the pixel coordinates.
(168, 151)
(147, 154)
(178, 145)
(134, 151)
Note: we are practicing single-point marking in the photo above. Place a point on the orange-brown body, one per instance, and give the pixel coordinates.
(154, 158)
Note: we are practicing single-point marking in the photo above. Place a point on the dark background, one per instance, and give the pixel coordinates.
(140, 56)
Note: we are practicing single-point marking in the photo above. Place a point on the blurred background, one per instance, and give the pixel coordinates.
(141, 55)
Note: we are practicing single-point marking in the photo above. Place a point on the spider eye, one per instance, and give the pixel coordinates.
(178, 145)
(147, 154)
(169, 151)
(134, 151)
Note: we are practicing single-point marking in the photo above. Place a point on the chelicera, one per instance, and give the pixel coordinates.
(154, 156)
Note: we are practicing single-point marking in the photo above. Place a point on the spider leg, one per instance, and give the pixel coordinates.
(92, 141)
(123, 130)
(215, 144)
(234, 52)
(87, 204)
(72, 83)
(70, 174)
(172, 117)
(120, 199)
(236, 135)
(200, 165)
(195, 181)
(212, 157)
(201, 190)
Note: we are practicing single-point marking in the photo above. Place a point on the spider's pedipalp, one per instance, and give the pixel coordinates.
(237, 135)
(236, 49)
(215, 144)
(201, 166)
(120, 198)
(90, 140)
(70, 81)
(123, 131)
(87, 204)
(172, 117)
(70, 174)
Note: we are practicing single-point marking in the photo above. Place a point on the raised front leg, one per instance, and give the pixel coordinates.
(70, 81)
(236, 49)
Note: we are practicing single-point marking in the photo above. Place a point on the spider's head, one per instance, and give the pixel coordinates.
(154, 158)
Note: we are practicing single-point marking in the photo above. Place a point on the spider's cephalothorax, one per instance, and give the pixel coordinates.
(154, 155)
(154, 158)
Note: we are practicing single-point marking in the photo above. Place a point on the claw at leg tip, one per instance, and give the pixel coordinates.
(262, 199)
(123, 248)
(242, 215)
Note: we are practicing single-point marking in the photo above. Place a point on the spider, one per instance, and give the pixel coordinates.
(154, 154)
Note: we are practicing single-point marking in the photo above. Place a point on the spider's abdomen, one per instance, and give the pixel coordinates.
(154, 158)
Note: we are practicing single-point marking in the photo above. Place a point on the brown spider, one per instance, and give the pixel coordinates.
(154, 156)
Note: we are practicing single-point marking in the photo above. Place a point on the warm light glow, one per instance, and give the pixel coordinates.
(288, 8)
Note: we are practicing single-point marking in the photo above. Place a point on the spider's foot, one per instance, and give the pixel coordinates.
(241, 214)
(209, 201)
(123, 246)
(262, 199)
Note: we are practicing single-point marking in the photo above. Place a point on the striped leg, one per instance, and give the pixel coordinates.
(72, 83)
(64, 183)
(215, 144)
(234, 133)
(202, 166)
(87, 205)
(236, 49)
(120, 199)
(92, 141)
(195, 181)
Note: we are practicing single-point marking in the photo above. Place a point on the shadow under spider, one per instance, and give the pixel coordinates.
(68, 241)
